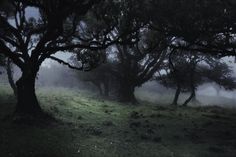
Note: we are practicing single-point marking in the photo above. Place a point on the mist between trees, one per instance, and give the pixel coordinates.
(104, 84)
(117, 47)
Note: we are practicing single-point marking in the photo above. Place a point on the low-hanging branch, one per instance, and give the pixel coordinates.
(67, 64)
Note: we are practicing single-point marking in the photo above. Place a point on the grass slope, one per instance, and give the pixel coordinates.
(92, 127)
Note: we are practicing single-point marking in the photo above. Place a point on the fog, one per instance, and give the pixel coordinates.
(53, 75)
(207, 95)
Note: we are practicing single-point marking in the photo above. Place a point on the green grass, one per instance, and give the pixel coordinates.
(92, 127)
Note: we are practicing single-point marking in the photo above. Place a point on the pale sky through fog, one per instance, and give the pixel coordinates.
(31, 12)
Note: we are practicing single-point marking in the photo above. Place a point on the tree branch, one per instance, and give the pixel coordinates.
(15, 57)
(67, 64)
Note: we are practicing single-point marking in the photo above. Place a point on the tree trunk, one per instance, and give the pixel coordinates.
(10, 77)
(192, 85)
(194, 99)
(176, 98)
(189, 99)
(126, 94)
(27, 103)
(106, 89)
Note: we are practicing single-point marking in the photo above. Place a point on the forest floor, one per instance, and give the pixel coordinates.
(88, 126)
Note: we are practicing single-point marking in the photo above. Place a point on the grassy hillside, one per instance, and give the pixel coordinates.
(88, 126)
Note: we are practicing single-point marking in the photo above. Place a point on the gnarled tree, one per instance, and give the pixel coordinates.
(60, 25)
(188, 70)
(137, 64)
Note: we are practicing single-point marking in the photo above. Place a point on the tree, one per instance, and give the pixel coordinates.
(131, 65)
(129, 55)
(190, 70)
(221, 74)
(61, 26)
(197, 26)
(181, 73)
(137, 64)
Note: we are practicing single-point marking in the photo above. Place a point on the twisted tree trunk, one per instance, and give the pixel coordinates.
(126, 93)
(176, 98)
(27, 103)
(192, 85)
(192, 95)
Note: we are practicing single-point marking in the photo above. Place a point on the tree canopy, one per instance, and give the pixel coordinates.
(201, 25)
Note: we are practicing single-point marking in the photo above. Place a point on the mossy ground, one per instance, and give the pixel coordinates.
(88, 126)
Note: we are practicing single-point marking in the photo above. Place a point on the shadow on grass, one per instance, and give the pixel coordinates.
(99, 128)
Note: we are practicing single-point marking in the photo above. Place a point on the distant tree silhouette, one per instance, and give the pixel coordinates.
(100, 77)
(189, 70)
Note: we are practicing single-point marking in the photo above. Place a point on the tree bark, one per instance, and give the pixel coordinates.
(106, 89)
(27, 103)
(126, 94)
(176, 98)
